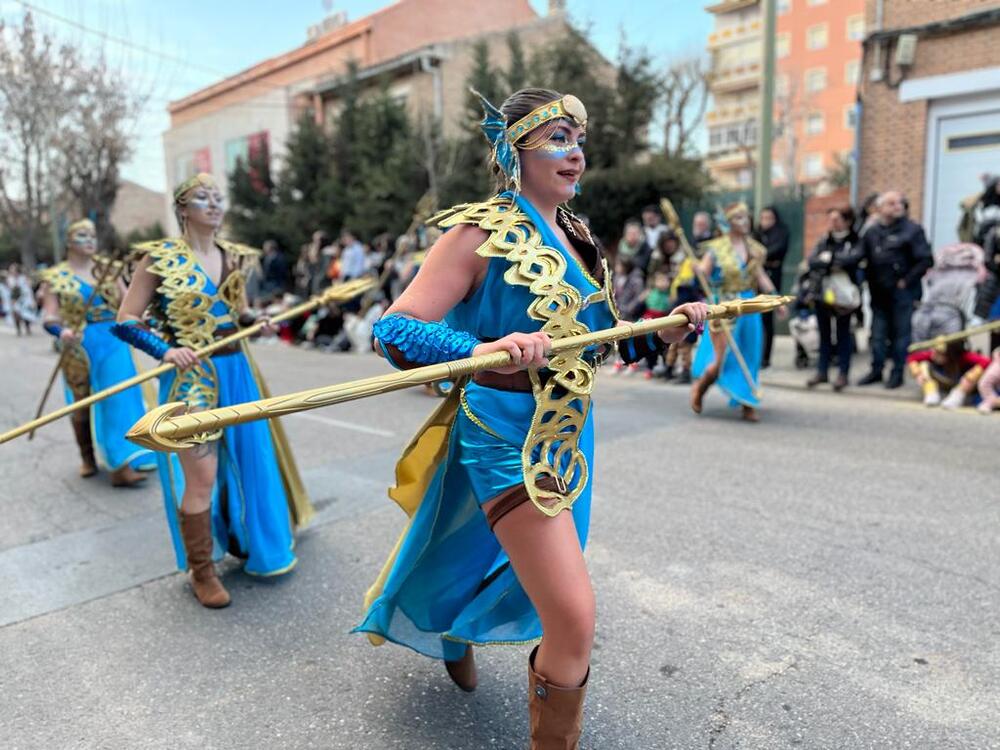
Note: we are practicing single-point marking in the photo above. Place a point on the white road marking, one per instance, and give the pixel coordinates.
(345, 425)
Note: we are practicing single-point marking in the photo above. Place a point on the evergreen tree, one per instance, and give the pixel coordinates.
(517, 72)
(251, 195)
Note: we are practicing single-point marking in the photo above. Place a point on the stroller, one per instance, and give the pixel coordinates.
(950, 291)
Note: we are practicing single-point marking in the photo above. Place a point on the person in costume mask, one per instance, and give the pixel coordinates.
(734, 267)
(240, 490)
(93, 359)
(497, 484)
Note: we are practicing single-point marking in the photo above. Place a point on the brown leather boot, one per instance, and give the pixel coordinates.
(463, 671)
(126, 476)
(85, 442)
(701, 386)
(196, 530)
(556, 713)
(750, 414)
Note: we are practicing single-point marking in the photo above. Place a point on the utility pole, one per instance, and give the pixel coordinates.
(762, 181)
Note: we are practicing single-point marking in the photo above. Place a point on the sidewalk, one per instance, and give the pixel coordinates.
(783, 374)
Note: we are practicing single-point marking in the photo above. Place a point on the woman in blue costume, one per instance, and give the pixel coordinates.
(734, 266)
(93, 358)
(239, 491)
(489, 556)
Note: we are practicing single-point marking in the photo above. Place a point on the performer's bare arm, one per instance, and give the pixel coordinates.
(51, 313)
(138, 297)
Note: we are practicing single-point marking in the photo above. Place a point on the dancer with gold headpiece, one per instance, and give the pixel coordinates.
(734, 267)
(81, 317)
(240, 491)
(497, 484)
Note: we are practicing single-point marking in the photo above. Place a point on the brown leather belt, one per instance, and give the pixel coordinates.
(519, 382)
(232, 348)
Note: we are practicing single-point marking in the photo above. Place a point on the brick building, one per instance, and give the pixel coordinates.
(930, 104)
(422, 47)
(817, 51)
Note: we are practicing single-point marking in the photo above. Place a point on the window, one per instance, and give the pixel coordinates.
(744, 178)
(777, 172)
(813, 168)
(851, 70)
(851, 117)
(783, 44)
(782, 84)
(815, 80)
(815, 123)
(817, 36)
(856, 28)
(784, 6)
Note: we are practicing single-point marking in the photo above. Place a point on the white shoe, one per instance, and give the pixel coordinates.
(985, 407)
(932, 399)
(954, 400)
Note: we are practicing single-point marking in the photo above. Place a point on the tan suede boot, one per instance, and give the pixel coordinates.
(85, 442)
(701, 386)
(556, 713)
(126, 476)
(196, 530)
(463, 671)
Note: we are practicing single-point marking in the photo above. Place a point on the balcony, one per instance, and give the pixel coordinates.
(732, 34)
(728, 6)
(734, 114)
(738, 78)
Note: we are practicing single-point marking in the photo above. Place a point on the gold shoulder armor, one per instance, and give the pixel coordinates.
(469, 213)
(237, 249)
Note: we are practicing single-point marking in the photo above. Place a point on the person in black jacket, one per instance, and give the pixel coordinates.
(897, 256)
(837, 252)
(772, 233)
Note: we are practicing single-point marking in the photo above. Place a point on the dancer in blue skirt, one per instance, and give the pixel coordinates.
(240, 490)
(497, 484)
(93, 359)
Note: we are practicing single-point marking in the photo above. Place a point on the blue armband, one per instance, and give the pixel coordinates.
(53, 328)
(138, 335)
(419, 342)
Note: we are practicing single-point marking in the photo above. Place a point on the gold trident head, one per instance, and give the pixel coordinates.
(760, 304)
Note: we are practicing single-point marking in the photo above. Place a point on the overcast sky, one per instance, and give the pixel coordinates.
(175, 47)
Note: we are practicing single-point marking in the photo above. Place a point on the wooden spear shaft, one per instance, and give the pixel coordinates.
(337, 293)
(957, 336)
(167, 429)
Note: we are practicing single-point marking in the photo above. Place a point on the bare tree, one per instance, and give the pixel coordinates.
(95, 142)
(36, 91)
(684, 91)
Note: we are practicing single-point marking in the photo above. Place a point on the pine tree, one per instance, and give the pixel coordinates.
(517, 72)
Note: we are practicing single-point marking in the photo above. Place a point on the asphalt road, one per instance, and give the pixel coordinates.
(827, 578)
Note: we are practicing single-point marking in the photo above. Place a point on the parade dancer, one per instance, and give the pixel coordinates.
(497, 483)
(240, 491)
(734, 266)
(81, 317)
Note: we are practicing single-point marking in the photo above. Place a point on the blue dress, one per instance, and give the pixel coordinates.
(448, 583)
(732, 278)
(100, 361)
(258, 495)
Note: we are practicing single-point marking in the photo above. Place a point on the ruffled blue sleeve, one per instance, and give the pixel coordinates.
(407, 342)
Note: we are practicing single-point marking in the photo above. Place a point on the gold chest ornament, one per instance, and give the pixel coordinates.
(562, 403)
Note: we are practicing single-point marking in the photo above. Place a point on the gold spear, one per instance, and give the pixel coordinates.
(337, 293)
(167, 429)
(947, 338)
(673, 220)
